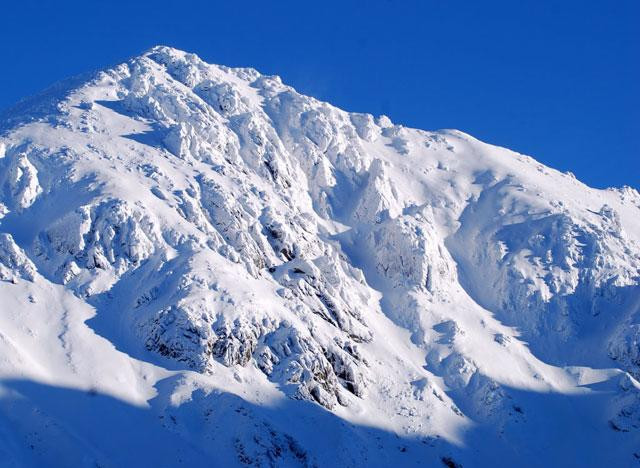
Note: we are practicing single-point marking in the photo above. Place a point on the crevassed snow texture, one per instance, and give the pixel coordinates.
(201, 266)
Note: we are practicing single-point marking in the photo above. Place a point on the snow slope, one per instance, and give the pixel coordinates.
(200, 266)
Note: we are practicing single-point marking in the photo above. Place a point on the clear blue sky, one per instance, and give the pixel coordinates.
(559, 80)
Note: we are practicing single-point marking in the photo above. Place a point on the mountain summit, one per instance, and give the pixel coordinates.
(202, 267)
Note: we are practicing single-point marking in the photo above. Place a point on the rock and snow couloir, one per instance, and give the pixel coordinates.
(205, 266)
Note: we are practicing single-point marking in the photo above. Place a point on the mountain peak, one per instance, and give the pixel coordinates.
(250, 274)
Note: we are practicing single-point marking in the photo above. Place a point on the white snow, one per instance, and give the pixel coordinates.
(200, 266)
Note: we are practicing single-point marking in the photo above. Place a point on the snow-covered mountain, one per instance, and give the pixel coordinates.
(202, 267)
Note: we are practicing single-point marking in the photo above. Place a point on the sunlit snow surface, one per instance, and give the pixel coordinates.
(202, 267)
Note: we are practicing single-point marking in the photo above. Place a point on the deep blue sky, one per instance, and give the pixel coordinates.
(559, 80)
